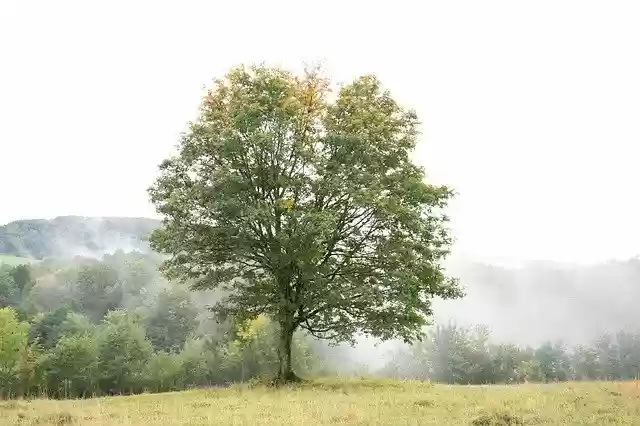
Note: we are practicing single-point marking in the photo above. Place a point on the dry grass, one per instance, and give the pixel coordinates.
(353, 402)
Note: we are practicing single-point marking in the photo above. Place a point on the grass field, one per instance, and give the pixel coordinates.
(13, 260)
(353, 402)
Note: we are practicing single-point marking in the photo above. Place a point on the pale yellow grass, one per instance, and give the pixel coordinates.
(353, 402)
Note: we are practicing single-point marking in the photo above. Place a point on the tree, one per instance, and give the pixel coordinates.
(609, 360)
(123, 353)
(305, 208)
(171, 320)
(164, 373)
(137, 274)
(9, 291)
(585, 363)
(71, 368)
(507, 362)
(50, 293)
(46, 328)
(553, 362)
(76, 324)
(22, 277)
(629, 355)
(96, 290)
(13, 345)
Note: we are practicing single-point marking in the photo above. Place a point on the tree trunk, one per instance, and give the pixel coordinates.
(285, 369)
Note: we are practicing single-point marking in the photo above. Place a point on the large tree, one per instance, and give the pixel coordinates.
(303, 204)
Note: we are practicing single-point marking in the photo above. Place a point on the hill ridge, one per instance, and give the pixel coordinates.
(68, 236)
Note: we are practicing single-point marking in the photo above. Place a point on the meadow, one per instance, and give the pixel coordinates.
(347, 401)
(13, 260)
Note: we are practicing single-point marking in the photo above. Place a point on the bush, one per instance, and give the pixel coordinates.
(71, 368)
(164, 373)
(13, 351)
(123, 352)
(171, 321)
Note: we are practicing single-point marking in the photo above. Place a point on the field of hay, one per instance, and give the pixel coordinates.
(353, 402)
(13, 260)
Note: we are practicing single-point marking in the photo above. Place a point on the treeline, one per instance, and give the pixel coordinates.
(81, 359)
(116, 326)
(460, 355)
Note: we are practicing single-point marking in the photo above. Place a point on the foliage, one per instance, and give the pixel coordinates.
(306, 209)
(202, 363)
(50, 292)
(96, 290)
(454, 354)
(77, 324)
(123, 353)
(552, 363)
(9, 291)
(52, 346)
(171, 320)
(71, 369)
(164, 373)
(13, 347)
(46, 328)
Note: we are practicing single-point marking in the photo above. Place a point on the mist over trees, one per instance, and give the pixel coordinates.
(115, 325)
(296, 218)
(141, 332)
(453, 354)
(534, 302)
(68, 236)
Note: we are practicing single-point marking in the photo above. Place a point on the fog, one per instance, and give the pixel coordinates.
(546, 301)
(526, 304)
(529, 112)
(100, 241)
(532, 303)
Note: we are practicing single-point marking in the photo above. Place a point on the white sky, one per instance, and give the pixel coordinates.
(531, 110)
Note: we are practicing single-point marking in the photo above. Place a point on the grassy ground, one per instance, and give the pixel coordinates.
(354, 402)
(13, 260)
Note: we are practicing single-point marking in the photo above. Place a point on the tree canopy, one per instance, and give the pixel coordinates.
(303, 204)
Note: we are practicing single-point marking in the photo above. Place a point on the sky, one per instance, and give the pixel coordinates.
(530, 110)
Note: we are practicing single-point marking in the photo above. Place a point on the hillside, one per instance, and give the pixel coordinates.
(69, 236)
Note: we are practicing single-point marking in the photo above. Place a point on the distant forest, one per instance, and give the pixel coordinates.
(84, 318)
(68, 236)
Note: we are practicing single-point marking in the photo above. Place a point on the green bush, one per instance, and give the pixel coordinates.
(164, 373)
(71, 369)
(123, 353)
(13, 351)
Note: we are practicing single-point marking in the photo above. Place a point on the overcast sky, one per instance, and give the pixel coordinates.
(531, 110)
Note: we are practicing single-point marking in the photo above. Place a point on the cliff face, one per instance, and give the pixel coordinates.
(69, 236)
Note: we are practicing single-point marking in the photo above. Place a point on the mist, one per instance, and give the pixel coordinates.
(547, 301)
(526, 304)
(529, 304)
